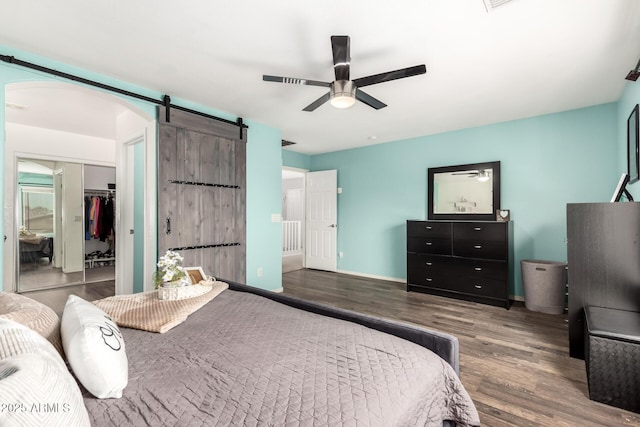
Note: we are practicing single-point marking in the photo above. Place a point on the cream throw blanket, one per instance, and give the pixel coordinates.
(145, 311)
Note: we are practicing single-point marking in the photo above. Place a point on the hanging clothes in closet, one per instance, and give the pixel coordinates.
(99, 217)
(106, 220)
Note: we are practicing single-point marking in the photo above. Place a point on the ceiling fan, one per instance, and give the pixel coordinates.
(343, 92)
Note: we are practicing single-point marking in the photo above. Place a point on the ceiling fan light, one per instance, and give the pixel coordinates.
(343, 102)
(343, 94)
(483, 176)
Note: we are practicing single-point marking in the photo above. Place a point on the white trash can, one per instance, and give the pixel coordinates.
(544, 284)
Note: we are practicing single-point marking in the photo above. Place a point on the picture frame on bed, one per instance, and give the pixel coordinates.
(196, 274)
(633, 151)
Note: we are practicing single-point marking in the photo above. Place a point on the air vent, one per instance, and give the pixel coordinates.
(489, 5)
(285, 143)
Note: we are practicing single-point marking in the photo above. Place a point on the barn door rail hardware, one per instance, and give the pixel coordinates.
(202, 184)
(164, 101)
(216, 245)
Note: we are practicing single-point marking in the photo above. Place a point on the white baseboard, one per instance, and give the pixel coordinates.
(373, 276)
(516, 298)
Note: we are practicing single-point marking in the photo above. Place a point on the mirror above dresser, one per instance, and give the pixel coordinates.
(464, 192)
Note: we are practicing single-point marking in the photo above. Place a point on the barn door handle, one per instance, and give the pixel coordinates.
(168, 225)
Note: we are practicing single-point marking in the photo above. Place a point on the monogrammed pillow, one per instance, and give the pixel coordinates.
(94, 348)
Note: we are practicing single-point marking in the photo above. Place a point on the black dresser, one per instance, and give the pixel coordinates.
(470, 260)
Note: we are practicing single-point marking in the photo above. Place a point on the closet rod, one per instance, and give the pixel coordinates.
(99, 191)
(13, 60)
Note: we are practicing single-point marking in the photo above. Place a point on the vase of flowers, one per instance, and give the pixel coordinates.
(170, 275)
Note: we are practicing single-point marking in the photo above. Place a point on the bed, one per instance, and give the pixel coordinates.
(254, 358)
(33, 247)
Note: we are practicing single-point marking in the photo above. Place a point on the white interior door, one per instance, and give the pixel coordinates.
(322, 220)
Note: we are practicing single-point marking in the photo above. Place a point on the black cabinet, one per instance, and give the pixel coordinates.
(469, 260)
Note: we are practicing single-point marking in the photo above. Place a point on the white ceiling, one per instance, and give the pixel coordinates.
(525, 58)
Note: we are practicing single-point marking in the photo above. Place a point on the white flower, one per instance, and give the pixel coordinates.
(170, 268)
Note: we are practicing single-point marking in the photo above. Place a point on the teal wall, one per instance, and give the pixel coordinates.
(138, 216)
(264, 161)
(27, 178)
(296, 160)
(264, 189)
(546, 162)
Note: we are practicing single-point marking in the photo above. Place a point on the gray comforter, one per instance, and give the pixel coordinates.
(246, 360)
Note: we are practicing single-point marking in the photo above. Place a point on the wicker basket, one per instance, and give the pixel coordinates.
(182, 292)
(612, 352)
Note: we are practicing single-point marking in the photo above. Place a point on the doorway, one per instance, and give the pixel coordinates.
(83, 132)
(293, 220)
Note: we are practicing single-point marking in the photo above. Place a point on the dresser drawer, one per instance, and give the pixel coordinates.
(492, 231)
(483, 287)
(429, 229)
(480, 249)
(428, 245)
(428, 265)
(433, 271)
(497, 270)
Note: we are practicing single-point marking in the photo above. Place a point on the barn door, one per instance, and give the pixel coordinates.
(201, 193)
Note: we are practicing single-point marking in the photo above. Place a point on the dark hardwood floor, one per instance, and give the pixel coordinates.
(514, 363)
(56, 298)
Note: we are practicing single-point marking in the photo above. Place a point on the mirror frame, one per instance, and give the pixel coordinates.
(462, 216)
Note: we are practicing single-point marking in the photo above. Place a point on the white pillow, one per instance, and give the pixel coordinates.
(94, 348)
(36, 388)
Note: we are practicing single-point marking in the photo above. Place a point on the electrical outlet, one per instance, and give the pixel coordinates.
(341, 254)
(260, 272)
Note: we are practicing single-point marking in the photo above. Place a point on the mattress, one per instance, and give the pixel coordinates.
(246, 360)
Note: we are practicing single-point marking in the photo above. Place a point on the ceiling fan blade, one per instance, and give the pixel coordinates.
(294, 81)
(369, 100)
(390, 75)
(318, 102)
(341, 56)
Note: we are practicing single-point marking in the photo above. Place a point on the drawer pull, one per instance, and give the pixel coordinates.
(477, 286)
(428, 227)
(429, 263)
(429, 279)
(478, 269)
(429, 243)
(477, 228)
(477, 246)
